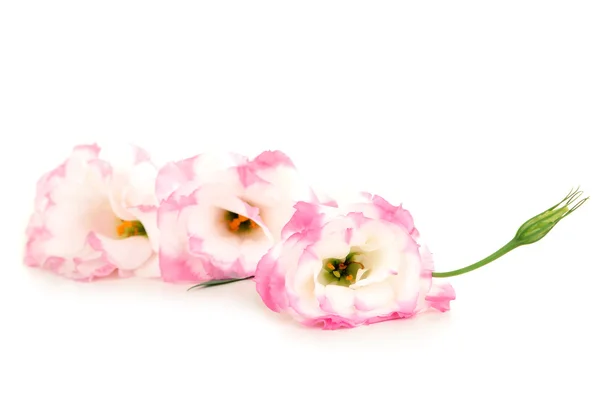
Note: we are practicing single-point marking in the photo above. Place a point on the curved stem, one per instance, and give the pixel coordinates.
(502, 251)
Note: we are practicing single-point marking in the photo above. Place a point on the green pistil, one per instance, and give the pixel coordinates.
(340, 272)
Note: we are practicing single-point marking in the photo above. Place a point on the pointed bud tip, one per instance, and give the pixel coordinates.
(539, 226)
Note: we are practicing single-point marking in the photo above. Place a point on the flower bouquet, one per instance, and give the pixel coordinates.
(215, 219)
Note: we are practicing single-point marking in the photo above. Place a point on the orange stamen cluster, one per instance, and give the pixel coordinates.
(123, 227)
(234, 224)
(129, 228)
(341, 271)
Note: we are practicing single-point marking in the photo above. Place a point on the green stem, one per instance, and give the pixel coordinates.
(502, 251)
(218, 282)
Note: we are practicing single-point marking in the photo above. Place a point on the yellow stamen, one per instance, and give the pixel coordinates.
(330, 266)
(349, 277)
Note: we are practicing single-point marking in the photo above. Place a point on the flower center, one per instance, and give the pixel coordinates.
(130, 228)
(342, 272)
(239, 223)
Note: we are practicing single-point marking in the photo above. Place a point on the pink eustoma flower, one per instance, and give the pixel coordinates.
(220, 213)
(95, 214)
(358, 264)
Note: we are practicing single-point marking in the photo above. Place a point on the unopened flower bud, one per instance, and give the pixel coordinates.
(539, 226)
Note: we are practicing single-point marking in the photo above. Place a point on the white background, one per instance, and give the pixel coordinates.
(475, 115)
